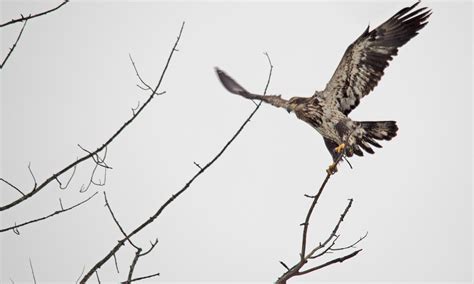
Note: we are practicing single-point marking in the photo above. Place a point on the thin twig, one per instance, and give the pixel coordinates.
(178, 193)
(351, 245)
(97, 275)
(11, 185)
(69, 180)
(332, 235)
(336, 260)
(304, 257)
(116, 264)
(144, 277)
(15, 230)
(32, 271)
(139, 77)
(197, 165)
(132, 266)
(134, 109)
(15, 227)
(311, 208)
(32, 16)
(153, 245)
(107, 204)
(13, 46)
(80, 275)
(33, 176)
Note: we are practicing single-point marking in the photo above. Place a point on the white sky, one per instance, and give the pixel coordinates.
(70, 81)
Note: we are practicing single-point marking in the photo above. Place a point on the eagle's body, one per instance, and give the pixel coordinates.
(359, 71)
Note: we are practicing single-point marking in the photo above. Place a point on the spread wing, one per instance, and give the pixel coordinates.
(365, 59)
(232, 86)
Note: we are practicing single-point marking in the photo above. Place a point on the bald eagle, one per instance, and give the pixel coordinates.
(359, 71)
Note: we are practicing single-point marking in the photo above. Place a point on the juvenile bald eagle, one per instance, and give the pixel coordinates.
(358, 73)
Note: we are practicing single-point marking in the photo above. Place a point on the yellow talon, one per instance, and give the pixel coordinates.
(332, 169)
(340, 148)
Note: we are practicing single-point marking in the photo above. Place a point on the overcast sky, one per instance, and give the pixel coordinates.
(70, 81)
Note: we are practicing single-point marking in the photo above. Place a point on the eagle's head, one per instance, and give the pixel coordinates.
(295, 103)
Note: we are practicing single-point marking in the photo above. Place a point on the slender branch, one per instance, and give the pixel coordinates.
(107, 204)
(12, 186)
(144, 277)
(82, 272)
(33, 16)
(311, 208)
(153, 245)
(351, 245)
(332, 235)
(336, 260)
(15, 227)
(97, 276)
(32, 175)
(138, 75)
(68, 181)
(132, 266)
(116, 264)
(13, 46)
(178, 193)
(304, 257)
(32, 271)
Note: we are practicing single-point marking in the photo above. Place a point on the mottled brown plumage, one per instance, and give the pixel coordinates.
(358, 72)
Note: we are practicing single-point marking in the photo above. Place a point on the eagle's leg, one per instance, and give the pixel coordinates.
(331, 145)
(340, 148)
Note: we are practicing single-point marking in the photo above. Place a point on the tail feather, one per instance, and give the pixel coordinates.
(376, 130)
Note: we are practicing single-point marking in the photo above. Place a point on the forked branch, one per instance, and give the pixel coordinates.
(305, 256)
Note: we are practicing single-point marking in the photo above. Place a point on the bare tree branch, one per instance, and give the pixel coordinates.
(153, 245)
(107, 204)
(132, 266)
(121, 242)
(33, 176)
(29, 17)
(139, 77)
(68, 181)
(14, 45)
(80, 275)
(181, 191)
(336, 260)
(353, 245)
(94, 154)
(311, 208)
(304, 256)
(32, 271)
(12, 186)
(116, 264)
(62, 210)
(143, 277)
